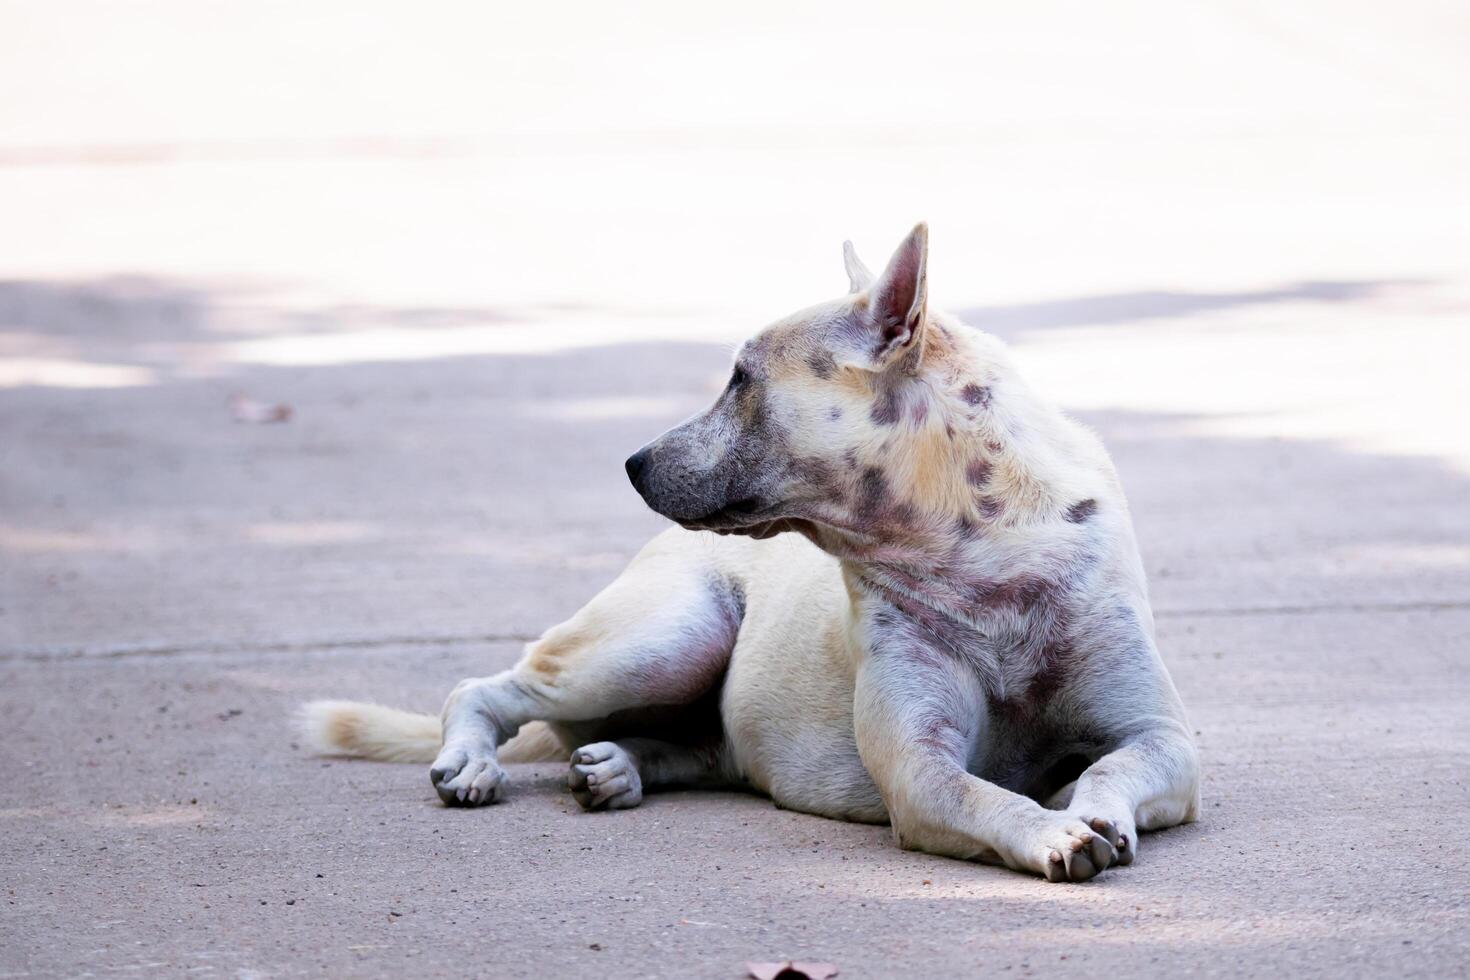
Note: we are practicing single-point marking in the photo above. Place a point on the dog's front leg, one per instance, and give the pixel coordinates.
(917, 716)
(1148, 782)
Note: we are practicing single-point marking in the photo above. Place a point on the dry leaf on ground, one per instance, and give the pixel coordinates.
(249, 410)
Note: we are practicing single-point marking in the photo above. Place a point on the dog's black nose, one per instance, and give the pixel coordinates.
(634, 465)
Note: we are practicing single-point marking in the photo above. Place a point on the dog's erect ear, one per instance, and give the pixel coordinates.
(897, 302)
(858, 276)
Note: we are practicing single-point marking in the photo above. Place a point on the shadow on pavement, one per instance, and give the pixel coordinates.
(1012, 322)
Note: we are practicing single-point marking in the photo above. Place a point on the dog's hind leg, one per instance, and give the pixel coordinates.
(614, 775)
(660, 635)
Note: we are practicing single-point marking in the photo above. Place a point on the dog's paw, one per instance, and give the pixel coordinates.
(1121, 835)
(1067, 848)
(468, 775)
(604, 776)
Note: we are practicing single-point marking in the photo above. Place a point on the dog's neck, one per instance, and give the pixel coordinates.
(976, 464)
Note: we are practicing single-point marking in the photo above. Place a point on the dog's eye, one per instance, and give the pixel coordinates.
(738, 377)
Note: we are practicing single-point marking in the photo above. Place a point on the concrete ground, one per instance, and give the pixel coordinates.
(483, 258)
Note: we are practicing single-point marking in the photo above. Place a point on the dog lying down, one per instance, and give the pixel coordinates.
(922, 604)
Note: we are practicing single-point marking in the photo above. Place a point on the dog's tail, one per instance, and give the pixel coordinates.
(360, 730)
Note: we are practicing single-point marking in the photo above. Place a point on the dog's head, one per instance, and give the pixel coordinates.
(825, 422)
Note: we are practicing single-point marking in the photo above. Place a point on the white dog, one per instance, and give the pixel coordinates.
(955, 639)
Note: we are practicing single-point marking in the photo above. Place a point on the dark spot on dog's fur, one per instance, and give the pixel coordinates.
(885, 619)
(974, 394)
(872, 504)
(821, 363)
(978, 472)
(964, 527)
(1081, 510)
(1020, 594)
(994, 446)
(990, 508)
(885, 407)
(1054, 664)
(814, 472)
(919, 411)
(919, 634)
(849, 456)
(872, 492)
(1056, 658)
(834, 413)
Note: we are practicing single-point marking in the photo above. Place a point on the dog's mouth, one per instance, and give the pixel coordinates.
(750, 517)
(733, 517)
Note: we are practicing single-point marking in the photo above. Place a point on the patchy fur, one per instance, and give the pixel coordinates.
(956, 637)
